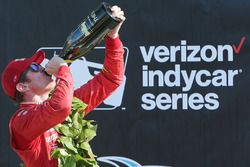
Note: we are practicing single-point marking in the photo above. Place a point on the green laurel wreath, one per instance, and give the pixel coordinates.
(76, 133)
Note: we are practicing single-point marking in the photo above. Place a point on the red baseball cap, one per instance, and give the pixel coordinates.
(13, 71)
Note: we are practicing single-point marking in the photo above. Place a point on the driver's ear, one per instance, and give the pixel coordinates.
(22, 87)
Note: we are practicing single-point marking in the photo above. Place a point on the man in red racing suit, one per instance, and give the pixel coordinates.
(31, 127)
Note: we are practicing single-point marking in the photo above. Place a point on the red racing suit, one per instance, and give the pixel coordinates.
(32, 135)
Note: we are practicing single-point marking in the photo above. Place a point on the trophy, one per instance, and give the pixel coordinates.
(89, 33)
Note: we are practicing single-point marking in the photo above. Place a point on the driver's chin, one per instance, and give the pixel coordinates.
(51, 85)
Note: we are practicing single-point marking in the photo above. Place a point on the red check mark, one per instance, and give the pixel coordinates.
(237, 49)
